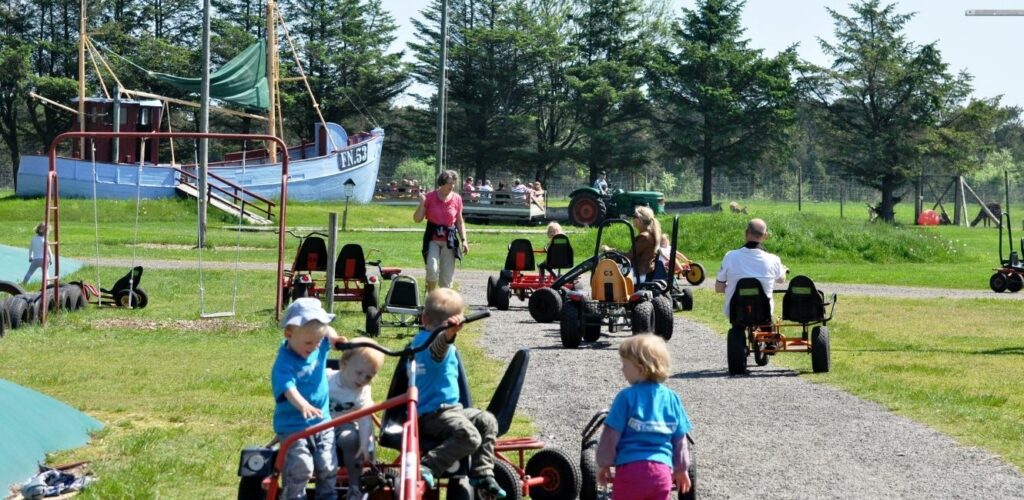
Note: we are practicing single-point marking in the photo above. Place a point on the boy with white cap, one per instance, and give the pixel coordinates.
(299, 382)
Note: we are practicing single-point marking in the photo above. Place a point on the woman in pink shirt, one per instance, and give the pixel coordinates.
(445, 237)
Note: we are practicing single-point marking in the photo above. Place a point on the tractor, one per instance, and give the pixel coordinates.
(589, 207)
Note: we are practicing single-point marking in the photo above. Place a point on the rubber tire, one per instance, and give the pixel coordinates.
(369, 296)
(17, 312)
(491, 285)
(736, 350)
(591, 333)
(143, 298)
(569, 328)
(544, 305)
(5, 317)
(373, 321)
(821, 351)
(642, 318)
(74, 300)
(127, 298)
(12, 288)
(508, 479)
(696, 275)
(251, 488)
(686, 300)
(502, 296)
(554, 464)
(1015, 283)
(588, 471)
(580, 202)
(663, 321)
(998, 282)
(692, 470)
(760, 358)
(286, 296)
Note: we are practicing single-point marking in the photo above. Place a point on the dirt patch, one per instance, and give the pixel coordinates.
(191, 325)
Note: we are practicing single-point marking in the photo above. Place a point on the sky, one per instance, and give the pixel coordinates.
(986, 47)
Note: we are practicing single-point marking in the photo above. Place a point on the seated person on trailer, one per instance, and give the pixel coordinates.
(751, 261)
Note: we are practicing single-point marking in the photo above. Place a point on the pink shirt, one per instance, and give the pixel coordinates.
(442, 213)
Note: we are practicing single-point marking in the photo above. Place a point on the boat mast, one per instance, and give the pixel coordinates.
(81, 78)
(441, 91)
(271, 80)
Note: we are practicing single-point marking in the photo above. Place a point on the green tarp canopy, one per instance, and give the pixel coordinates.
(242, 80)
(33, 424)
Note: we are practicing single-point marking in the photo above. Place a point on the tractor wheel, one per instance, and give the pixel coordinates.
(737, 350)
(591, 332)
(1015, 283)
(695, 275)
(569, 327)
(501, 296)
(492, 284)
(251, 488)
(588, 471)
(508, 479)
(586, 209)
(821, 359)
(642, 317)
(372, 321)
(369, 296)
(544, 305)
(692, 494)
(998, 282)
(663, 321)
(560, 472)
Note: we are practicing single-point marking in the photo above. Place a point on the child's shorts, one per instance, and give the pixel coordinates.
(642, 480)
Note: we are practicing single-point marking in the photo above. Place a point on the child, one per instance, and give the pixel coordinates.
(349, 390)
(35, 253)
(554, 229)
(299, 383)
(463, 431)
(644, 436)
(665, 251)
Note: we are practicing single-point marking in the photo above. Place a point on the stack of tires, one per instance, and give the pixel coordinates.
(20, 308)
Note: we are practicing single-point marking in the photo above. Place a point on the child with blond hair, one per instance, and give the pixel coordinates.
(554, 229)
(349, 389)
(644, 435)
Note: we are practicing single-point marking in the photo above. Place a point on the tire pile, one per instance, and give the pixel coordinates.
(23, 308)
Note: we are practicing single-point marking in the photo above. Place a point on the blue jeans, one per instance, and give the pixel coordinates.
(312, 456)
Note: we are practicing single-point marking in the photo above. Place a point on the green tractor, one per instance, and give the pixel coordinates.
(589, 207)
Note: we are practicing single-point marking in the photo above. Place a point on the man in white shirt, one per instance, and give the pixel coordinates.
(750, 261)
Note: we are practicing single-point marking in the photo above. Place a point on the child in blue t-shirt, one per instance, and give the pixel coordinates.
(299, 382)
(462, 431)
(644, 435)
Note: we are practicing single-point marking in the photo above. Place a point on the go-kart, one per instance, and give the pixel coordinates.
(401, 307)
(517, 278)
(679, 268)
(590, 490)
(124, 293)
(353, 284)
(1010, 273)
(754, 331)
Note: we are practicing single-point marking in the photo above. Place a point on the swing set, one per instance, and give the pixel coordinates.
(51, 216)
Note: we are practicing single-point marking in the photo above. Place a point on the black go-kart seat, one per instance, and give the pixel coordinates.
(749, 305)
(520, 256)
(312, 255)
(130, 280)
(803, 303)
(351, 264)
(404, 295)
(559, 253)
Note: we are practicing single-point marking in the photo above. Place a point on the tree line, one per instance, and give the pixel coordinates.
(545, 88)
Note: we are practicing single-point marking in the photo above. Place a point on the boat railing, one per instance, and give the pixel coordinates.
(235, 194)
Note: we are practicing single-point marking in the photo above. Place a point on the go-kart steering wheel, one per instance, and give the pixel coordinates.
(624, 265)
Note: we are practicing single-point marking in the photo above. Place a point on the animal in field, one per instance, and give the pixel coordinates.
(995, 208)
(736, 208)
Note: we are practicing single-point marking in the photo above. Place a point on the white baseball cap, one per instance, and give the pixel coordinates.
(303, 311)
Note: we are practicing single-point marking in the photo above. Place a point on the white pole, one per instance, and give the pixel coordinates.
(204, 124)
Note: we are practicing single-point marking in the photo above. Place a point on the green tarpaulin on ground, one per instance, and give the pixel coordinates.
(242, 80)
(33, 424)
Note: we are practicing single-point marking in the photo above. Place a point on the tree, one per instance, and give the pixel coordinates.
(721, 101)
(883, 94)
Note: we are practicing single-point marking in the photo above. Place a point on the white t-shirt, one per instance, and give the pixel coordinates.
(35, 251)
(750, 263)
(345, 399)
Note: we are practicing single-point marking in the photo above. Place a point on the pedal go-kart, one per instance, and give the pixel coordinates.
(680, 268)
(549, 474)
(517, 278)
(1010, 273)
(589, 490)
(754, 332)
(613, 300)
(401, 307)
(124, 293)
(353, 284)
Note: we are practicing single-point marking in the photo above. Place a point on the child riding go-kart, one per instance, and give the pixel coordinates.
(755, 332)
(1010, 273)
(517, 278)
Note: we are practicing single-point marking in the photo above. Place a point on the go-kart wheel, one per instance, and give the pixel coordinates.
(821, 358)
(998, 282)
(569, 327)
(760, 357)
(373, 321)
(641, 318)
(456, 488)
(686, 300)
(695, 275)
(251, 488)
(286, 296)
(544, 305)
(1015, 283)
(508, 479)
(736, 350)
(127, 298)
(369, 296)
(560, 472)
(491, 285)
(143, 298)
(591, 328)
(588, 471)
(692, 470)
(663, 321)
(501, 296)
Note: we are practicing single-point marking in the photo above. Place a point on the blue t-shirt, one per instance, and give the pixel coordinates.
(648, 417)
(438, 383)
(308, 377)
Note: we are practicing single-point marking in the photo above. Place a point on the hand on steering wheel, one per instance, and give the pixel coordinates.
(624, 265)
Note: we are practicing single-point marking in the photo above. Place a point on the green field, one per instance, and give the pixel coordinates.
(180, 397)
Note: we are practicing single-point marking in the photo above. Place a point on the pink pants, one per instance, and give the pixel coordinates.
(642, 480)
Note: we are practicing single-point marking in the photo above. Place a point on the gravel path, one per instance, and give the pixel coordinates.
(825, 444)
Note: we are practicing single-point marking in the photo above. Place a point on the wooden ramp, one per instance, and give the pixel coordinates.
(229, 207)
